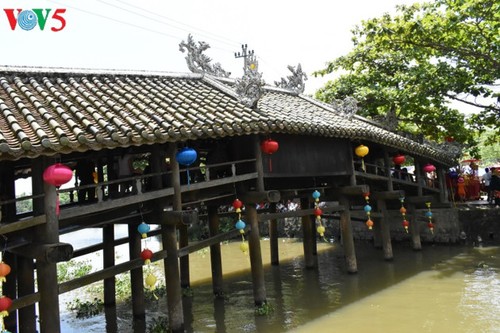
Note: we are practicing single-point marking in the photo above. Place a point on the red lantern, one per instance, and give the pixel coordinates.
(406, 224)
(4, 270)
(237, 204)
(5, 303)
(429, 168)
(399, 159)
(146, 255)
(269, 147)
(318, 212)
(57, 174)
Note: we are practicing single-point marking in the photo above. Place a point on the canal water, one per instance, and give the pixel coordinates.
(439, 289)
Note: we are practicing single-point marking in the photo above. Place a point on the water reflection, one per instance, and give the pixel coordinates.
(438, 289)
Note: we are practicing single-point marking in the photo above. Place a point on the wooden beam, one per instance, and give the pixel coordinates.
(5, 228)
(353, 190)
(47, 253)
(387, 195)
(186, 217)
(259, 196)
(299, 213)
(421, 199)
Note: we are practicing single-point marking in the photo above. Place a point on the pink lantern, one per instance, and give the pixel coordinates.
(429, 168)
(57, 174)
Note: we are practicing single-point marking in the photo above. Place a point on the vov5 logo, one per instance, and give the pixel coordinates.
(29, 19)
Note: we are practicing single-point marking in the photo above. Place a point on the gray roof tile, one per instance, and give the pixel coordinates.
(47, 111)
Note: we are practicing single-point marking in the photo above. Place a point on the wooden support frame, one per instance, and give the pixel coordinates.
(215, 253)
(46, 253)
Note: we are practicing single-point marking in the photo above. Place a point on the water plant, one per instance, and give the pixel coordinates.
(86, 309)
(158, 325)
(264, 309)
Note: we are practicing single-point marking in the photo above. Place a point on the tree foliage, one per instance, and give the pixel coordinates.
(411, 65)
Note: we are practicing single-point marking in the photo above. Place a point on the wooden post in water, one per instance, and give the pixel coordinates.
(347, 237)
(48, 233)
(259, 286)
(309, 259)
(273, 237)
(387, 162)
(169, 241)
(385, 230)
(414, 227)
(215, 253)
(174, 291)
(108, 257)
(136, 276)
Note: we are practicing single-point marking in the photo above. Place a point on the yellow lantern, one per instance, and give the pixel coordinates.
(361, 151)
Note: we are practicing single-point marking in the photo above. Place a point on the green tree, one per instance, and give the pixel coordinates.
(411, 65)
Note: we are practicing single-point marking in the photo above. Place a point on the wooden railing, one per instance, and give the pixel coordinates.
(139, 187)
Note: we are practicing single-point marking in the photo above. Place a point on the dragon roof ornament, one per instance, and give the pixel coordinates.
(198, 62)
(348, 106)
(294, 82)
(249, 87)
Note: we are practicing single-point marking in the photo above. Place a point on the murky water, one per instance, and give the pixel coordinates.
(440, 289)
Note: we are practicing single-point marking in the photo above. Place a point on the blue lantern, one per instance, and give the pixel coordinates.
(368, 208)
(316, 194)
(428, 214)
(143, 229)
(240, 225)
(186, 156)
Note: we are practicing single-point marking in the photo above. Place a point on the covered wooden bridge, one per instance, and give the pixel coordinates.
(74, 117)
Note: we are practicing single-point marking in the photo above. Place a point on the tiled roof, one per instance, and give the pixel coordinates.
(51, 111)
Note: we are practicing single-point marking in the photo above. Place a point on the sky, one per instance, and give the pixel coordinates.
(145, 35)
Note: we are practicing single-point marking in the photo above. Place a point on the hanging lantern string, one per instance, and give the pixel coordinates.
(369, 222)
(428, 214)
(317, 213)
(402, 210)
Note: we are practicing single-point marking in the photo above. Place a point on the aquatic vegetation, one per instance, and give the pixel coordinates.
(86, 309)
(264, 310)
(158, 325)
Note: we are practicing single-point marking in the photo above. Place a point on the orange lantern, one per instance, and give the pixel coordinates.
(361, 151)
(4, 271)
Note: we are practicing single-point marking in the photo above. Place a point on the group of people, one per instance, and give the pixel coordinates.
(491, 184)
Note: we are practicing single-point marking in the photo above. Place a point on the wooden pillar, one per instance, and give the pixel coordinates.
(47, 271)
(26, 286)
(273, 237)
(171, 262)
(414, 228)
(136, 278)
(387, 162)
(259, 287)
(26, 266)
(347, 237)
(419, 177)
(309, 260)
(377, 235)
(258, 165)
(172, 279)
(443, 190)
(108, 238)
(177, 206)
(385, 230)
(215, 253)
